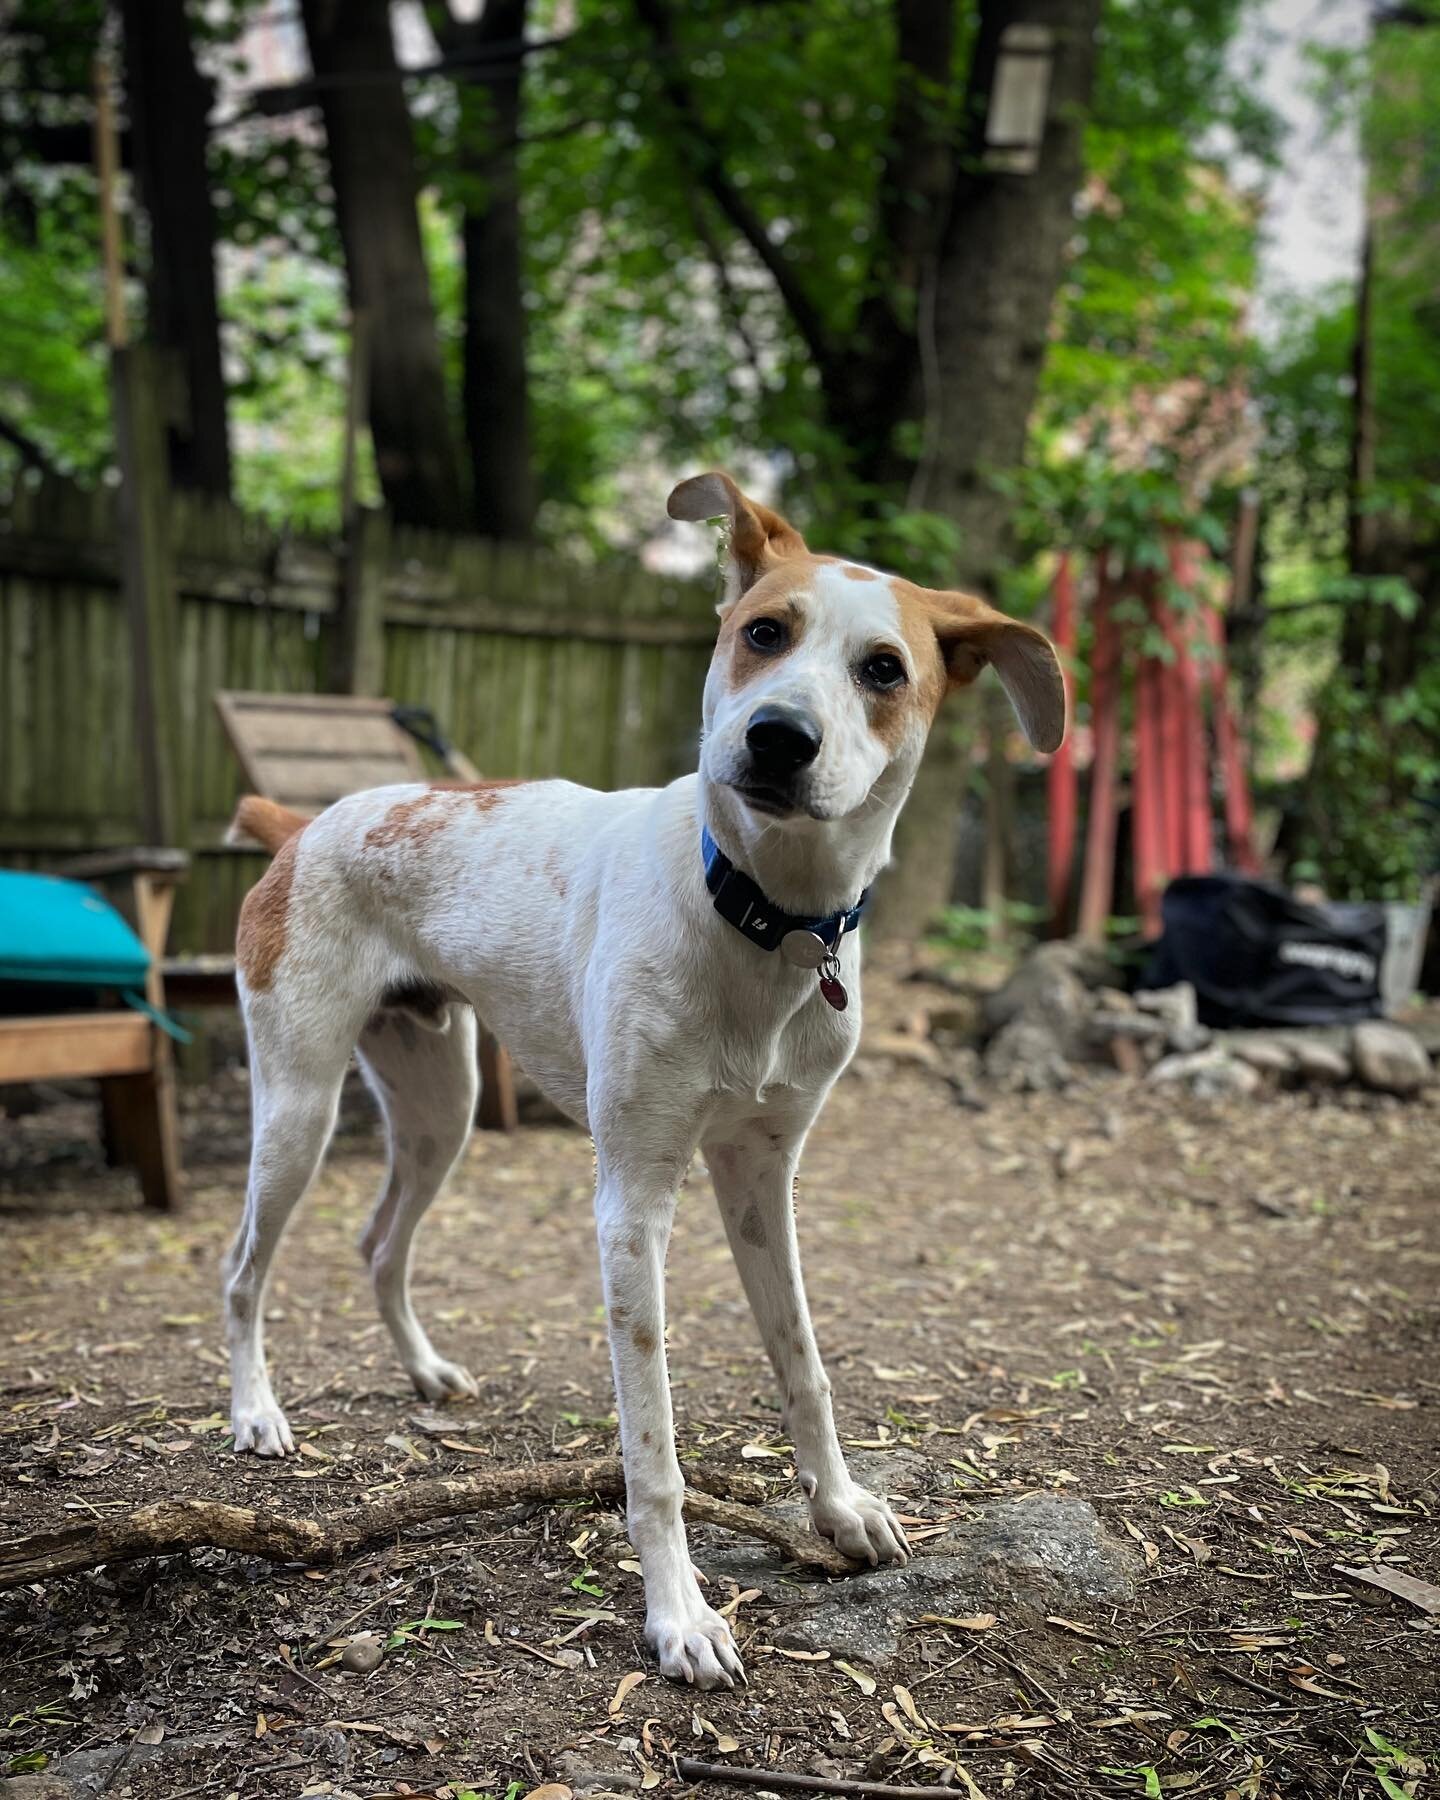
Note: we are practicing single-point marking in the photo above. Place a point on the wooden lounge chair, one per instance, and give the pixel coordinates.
(308, 750)
(123, 1047)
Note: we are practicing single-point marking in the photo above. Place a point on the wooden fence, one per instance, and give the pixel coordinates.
(532, 665)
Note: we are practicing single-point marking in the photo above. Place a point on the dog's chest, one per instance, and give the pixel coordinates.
(793, 1041)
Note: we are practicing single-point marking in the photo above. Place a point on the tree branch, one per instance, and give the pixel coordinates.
(709, 166)
(167, 1526)
(919, 158)
(31, 453)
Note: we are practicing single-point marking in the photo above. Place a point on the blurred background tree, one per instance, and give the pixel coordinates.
(961, 282)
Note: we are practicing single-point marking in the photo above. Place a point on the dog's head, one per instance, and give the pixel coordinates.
(827, 674)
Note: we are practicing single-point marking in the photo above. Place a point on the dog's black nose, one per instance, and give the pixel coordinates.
(781, 739)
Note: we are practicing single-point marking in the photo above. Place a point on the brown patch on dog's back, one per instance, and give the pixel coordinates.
(416, 821)
(410, 822)
(483, 794)
(260, 938)
(854, 572)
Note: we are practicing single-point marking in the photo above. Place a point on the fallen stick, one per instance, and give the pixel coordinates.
(690, 1770)
(167, 1526)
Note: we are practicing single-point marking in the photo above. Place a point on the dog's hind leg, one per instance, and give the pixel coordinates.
(424, 1072)
(295, 1078)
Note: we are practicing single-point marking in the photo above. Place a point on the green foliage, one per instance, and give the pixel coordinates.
(1368, 828)
(1375, 832)
(53, 373)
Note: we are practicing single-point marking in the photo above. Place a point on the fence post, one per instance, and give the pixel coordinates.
(137, 385)
(357, 664)
(149, 583)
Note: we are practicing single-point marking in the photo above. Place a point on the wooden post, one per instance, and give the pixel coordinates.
(357, 662)
(107, 168)
(999, 785)
(1097, 884)
(357, 410)
(137, 395)
(1060, 777)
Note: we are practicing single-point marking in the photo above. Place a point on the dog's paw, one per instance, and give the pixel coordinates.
(437, 1379)
(860, 1524)
(263, 1428)
(694, 1644)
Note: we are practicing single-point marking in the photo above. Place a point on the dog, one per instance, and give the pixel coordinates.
(675, 967)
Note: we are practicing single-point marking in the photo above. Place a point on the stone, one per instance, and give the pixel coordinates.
(1105, 1025)
(363, 1654)
(1321, 1064)
(36, 1787)
(601, 1764)
(1271, 1056)
(1046, 1553)
(1178, 1007)
(1389, 1058)
(1045, 987)
(1027, 1057)
(1210, 1074)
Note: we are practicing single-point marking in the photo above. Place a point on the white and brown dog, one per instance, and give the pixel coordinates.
(671, 965)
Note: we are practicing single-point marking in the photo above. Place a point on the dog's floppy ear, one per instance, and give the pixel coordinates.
(756, 538)
(971, 634)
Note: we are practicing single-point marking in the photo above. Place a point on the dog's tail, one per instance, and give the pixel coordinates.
(265, 820)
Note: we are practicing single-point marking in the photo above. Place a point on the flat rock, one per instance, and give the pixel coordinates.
(601, 1763)
(1050, 985)
(1321, 1063)
(1211, 1074)
(1271, 1056)
(1047, 1553)
(87, 1774)
(1389, 1058)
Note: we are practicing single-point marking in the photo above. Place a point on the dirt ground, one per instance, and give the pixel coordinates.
(1215, 1324)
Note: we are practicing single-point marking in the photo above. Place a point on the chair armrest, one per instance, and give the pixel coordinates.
(102, 865)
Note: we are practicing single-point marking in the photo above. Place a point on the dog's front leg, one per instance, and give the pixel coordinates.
(753, 1170)
(634, 1206)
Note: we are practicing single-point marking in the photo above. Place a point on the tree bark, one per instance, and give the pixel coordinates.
(951, 336)
(496, 399)
(168, 103)
(372, 167)
(998, 265)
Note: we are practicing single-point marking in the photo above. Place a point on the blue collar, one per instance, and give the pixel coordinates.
(741, 902)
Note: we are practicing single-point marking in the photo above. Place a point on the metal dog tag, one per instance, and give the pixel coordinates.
(805, 949)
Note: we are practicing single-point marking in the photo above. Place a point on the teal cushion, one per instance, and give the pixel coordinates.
(54, 930)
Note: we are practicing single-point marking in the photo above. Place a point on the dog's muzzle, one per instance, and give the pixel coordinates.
(780, 742)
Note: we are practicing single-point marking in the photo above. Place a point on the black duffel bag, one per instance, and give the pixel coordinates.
(1256, 955)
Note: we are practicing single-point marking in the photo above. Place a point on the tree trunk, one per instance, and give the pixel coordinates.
(998, 266)
(168, 103)
(497, 410)
(372, 167)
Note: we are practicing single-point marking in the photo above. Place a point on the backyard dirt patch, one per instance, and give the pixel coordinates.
(1144, 1373)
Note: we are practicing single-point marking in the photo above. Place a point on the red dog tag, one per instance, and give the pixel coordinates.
(834, 992)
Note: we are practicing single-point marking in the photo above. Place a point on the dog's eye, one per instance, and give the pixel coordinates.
(882, 671)
(765, 634)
